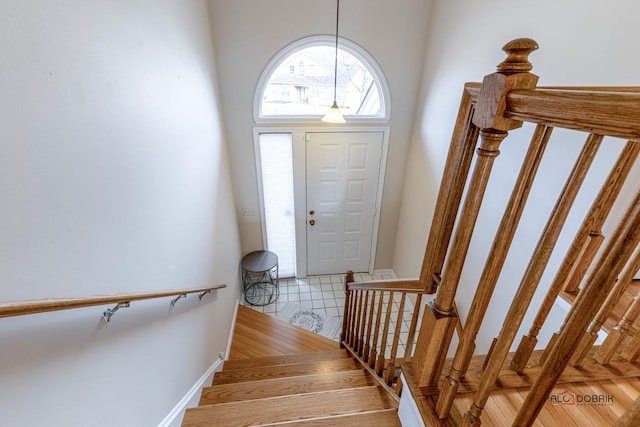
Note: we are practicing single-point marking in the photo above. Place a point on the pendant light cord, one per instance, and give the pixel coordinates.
(335, 69)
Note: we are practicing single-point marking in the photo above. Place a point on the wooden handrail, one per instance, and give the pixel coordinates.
(612, 111)
(605, 113)
(20, 308)
(390, 285)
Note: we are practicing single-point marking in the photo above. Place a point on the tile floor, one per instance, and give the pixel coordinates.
(325, 294)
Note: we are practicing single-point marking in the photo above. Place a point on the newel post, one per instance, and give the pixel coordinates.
(439, 318)
(347, 309)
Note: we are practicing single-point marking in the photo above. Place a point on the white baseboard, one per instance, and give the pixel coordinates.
(182, 405)
(233, 326)
(174, 415)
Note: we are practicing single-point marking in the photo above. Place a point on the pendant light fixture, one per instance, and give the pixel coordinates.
(334, 115)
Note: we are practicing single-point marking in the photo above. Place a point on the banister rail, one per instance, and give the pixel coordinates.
(20, 308)
(390, 285)
(615, 114)
(612, 111)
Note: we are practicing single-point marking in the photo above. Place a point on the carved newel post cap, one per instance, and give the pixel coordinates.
(517, 60)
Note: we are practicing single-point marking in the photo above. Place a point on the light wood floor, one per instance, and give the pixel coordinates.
(615, 397)
(273, 338)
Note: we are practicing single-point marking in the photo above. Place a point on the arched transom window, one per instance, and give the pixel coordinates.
(299, 82)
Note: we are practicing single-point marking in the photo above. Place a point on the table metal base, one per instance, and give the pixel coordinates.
(260, 278)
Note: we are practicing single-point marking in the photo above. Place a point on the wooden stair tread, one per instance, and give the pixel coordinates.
(285, 386)
(281, 371)
(290, 408)
(257, 334)
(382, 418)
(286, 359)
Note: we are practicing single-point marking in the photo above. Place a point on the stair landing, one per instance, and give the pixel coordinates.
(258, 335)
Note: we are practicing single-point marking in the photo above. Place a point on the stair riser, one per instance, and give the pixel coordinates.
(285, 386)
(385, 418)
(284, 360)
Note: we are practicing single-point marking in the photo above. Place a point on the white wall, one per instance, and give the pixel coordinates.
(249, 33)
(113, 179)
(581, 43)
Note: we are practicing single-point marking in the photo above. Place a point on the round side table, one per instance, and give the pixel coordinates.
(260, 277)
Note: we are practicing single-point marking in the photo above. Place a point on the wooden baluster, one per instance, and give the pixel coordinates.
(356, 321)
(367, 340)
(357, 302)
(362, 324)
(439, 319)
(373, 357)
(456, 171)
(584, 260)
(347, 301)
(632, 351)
(621, 247)
(352, 310)
(532, 276)
(412, 328)
(385, 337)
(591, 334)
(391, 370)
(458, 323)
(618, 334)
(493, 266)
(348, 309)
(585, 242)
(590, 252)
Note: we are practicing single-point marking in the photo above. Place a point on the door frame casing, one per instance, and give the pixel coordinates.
(300, 188)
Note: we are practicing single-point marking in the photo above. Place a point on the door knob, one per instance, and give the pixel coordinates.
(312, 222)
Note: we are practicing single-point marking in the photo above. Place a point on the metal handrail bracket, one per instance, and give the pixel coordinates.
(111, 311)
(175, 300)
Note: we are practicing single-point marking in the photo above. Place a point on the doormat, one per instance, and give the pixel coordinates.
(310, 320)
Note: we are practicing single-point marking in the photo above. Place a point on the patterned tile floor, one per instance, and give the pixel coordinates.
(325, 294)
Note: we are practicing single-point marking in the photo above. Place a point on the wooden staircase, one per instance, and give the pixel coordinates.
(314, 384)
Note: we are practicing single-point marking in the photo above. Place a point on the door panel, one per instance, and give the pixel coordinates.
(342, 186)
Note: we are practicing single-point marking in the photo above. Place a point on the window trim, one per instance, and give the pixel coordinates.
(322, 40)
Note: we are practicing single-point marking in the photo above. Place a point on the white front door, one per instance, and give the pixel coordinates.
(342, 186)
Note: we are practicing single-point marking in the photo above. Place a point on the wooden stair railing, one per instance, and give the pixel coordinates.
(21, 308)
(596, 269)
(368, 329)
(377, 326)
